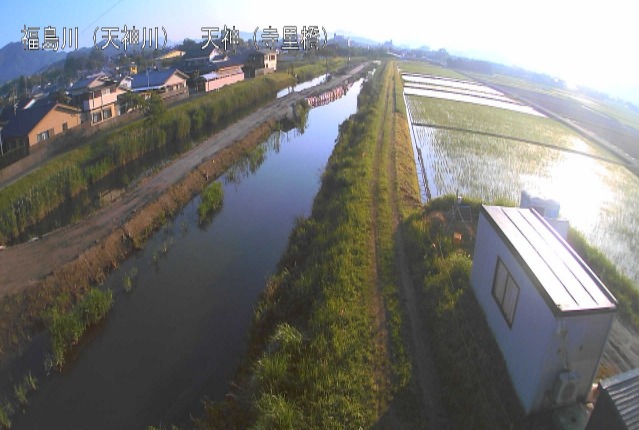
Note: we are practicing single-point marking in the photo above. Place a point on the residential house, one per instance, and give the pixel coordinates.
(170, 84)
(200, 59)
(224, 73)
(97, 98)
(172, 54)
(260, 62)
(548, 312)
(36, 125)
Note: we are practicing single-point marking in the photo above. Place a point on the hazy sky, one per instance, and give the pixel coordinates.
(590, 43)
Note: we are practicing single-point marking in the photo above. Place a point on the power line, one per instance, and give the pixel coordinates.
(98, 18)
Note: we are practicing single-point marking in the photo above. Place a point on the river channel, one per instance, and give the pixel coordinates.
(180, 331)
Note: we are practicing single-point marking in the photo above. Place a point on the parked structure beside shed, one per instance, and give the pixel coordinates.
(617, 406)
(548, 311)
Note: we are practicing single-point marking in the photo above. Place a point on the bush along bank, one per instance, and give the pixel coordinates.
(313, 359)
(25, 202)
(626, 293)
(475, 387)
(212, 198)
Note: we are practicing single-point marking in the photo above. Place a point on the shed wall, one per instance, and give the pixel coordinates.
(525, 344)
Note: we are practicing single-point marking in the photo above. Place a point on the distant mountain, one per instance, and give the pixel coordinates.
(357, 39)
(16, 61)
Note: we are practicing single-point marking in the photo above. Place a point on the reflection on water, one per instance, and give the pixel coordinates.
(449, 82)
(178, 334)
(471, 99)
(599, 199)
(304, 85)
(462, 91)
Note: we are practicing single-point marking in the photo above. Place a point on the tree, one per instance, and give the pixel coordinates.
(189, 44)
(154, 108)
(61, 97)
(23, 89)
(131, 101)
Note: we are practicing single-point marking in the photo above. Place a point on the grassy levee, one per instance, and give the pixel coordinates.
(314, 358)
(475, 387)
(303, 71)
(28, 200)
(618, 284)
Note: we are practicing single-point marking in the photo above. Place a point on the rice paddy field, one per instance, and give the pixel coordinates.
(600, 198)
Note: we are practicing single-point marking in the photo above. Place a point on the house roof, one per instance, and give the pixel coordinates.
(231, 62)
(623, 392)
(210, 76)
(562, 278)
(200, 52)
(89, 83)
(25, 120)
(153, 79)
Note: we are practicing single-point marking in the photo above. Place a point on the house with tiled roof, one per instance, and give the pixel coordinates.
(37, 125)
(97, 98)
(200, 58)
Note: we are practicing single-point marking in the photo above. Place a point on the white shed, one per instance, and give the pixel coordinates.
(548, 311)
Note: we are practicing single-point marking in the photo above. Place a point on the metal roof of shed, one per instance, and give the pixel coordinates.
(562, 278)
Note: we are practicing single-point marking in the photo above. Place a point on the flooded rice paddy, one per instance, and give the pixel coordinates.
(599, 198)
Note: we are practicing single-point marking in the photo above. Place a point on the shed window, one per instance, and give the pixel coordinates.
(506, 292)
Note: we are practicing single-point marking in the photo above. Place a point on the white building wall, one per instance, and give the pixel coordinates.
(524, 345)
(586, 339)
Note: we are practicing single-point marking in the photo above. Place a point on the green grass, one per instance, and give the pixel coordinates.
(502, 122)
(471, 369)
(611, 108)
(67, 326)
(212, 199)
(5, 416)
(128, 280)
(425, 68)
(305, 70)
(312, 361)
(618, 284)
(21, 392)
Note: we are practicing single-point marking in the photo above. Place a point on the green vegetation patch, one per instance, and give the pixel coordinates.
(67, 326)
(312, 358)
(502, 122)
(212, 199)
(618, 284)
(476, 390)
(424, 68)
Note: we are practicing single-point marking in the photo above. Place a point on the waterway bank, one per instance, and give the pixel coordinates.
(175, 337)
